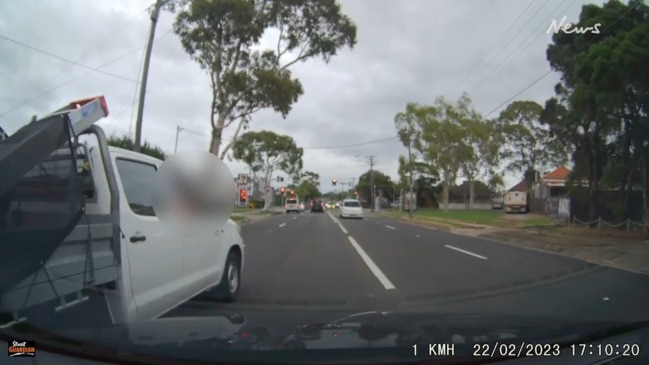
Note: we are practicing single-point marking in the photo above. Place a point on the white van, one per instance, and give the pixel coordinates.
(119, 253)
(292, 205)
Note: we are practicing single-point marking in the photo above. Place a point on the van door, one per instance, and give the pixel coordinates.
(202, 265)
(154, 256)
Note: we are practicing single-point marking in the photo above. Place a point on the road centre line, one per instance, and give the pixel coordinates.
(466, 252)
(387, 284)
(282, 225)
(342, 228)
(389, 227)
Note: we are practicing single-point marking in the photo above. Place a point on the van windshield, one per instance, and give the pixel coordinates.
(352, 204)
(291, 201)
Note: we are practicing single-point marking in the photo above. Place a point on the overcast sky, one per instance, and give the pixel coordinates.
(407, 51)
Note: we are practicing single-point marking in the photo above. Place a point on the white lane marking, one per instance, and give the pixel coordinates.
(466, 252)
(340, 225)
(294, 218)
(389, 227)
(387, 284)
(282, 225)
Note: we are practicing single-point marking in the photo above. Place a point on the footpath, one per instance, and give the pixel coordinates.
(626, 251)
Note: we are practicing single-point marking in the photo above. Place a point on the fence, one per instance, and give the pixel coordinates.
(559, 209)
(628, 225)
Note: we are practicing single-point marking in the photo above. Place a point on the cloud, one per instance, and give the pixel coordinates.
(407, 51)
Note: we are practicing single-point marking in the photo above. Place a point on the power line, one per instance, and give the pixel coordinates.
(36, 49)
(525, 41)
(470, 73)
(352, 145)
(93, 45)
(495, 55)
(76, 78)
(550, 71)
(476, 77)
(119, 29)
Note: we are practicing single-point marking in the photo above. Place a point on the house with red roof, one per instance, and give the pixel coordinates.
(551, 184)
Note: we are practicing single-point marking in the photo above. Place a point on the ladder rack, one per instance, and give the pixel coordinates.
(87, 257)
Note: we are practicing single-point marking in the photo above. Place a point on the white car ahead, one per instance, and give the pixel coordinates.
(292, 205)
(351, 208)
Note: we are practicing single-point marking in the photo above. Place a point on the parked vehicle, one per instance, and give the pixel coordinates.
(351, 208)
(516, 202)
(497, 203)
(78, 226)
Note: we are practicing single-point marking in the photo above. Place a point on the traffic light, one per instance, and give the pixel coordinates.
(333, 181)
(243, 195)
(292, 192)
(283, 189)
(356, 193)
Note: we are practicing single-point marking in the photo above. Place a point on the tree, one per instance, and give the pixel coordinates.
(307, 190)
(306, 184)
(480, 151)
(438, 135)
(383, 183)
(601, 105)
(128, 143)
(220, 35)
(426, 179)
(528, 144)
(307, 176)
(266, 152)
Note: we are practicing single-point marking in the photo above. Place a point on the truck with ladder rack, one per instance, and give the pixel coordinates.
(79, 236)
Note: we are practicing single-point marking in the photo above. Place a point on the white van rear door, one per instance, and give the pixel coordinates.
(154, 256)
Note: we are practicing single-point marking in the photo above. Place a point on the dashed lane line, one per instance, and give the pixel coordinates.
(466, 252)
(387, 284)
(389, 227)
(282, 225)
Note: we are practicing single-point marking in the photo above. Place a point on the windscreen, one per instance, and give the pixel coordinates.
(353, 204)
(291, 201)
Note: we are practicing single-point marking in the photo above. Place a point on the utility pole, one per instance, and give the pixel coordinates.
(178, 129)
(372, 199)
(155, 13)
(410, 179)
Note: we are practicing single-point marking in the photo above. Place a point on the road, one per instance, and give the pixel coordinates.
(318, 262)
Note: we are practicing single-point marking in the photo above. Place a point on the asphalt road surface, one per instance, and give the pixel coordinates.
(319, 262)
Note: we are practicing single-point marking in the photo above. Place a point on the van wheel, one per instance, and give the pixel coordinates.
(228, 289)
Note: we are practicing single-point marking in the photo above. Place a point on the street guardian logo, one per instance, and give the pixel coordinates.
(22, 349)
